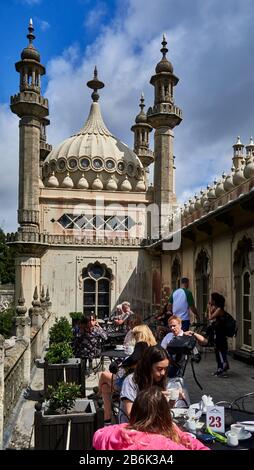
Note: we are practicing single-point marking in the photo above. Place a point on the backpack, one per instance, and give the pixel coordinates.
(230, 325)
(181, 344)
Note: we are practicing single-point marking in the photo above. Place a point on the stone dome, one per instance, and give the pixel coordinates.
(30, 53)
(164, 66)
(94, 151)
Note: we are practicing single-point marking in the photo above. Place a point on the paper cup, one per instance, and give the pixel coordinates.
(232, 439)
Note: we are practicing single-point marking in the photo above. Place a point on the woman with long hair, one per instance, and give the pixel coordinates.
(143, 333)
(150, 428)
(151, 370)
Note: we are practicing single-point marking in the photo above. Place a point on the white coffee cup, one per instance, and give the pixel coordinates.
(232, 439)
(238, 429)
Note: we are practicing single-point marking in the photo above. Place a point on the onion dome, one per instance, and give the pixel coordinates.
(197, 202)
(83, 183)
(164, 65)
(30, 52)
(94, 150)
(211, 192)
(219, 189)
(228, 183)
(140, 186)
(141, 117)
(249, 168)
(126, 185)
(53, 181)
(238, 176)
(97, 184)
(67, 182)
(111, 184)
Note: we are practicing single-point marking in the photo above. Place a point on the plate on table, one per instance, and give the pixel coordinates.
(246, 435)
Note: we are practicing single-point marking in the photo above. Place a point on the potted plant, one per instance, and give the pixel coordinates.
(61, 331)
(66, 421)
(59, 363)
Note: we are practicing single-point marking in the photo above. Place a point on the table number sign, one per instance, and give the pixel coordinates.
(215, 418)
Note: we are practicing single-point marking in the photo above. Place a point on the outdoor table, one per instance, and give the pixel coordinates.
(114, 354)
(231, 416)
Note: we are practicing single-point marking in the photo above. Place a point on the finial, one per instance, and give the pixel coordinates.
(164, 49)
(30, 36)
(142, 102)
(251, 140)
(95, 85)
(238, 141)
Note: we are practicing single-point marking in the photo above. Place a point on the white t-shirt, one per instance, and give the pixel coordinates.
(166, 340)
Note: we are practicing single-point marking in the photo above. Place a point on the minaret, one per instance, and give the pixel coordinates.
(238, 155)
(32, 109)
(141, 131)
(163, 117)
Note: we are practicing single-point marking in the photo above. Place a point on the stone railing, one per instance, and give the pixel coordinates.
(16, 364)
(46, 239)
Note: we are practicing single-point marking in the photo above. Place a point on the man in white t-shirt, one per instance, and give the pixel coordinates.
(181, 302)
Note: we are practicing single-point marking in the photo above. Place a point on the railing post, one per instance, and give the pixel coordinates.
(23, 331)
(1, 390)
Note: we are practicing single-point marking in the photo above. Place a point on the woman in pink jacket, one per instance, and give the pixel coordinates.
(150, 428)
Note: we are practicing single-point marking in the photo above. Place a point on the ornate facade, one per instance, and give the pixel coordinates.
(94, 233)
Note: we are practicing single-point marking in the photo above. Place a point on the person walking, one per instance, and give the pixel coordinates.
(181, 302)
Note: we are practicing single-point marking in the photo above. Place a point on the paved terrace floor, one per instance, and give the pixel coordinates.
(240, 380)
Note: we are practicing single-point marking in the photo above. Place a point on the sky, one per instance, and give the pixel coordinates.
(211, 46)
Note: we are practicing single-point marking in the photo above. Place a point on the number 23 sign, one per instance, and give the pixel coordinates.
(215, 418)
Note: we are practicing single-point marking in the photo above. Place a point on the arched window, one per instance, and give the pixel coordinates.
(96, 289)
(175, 274)
(246, 309)
(202, 272)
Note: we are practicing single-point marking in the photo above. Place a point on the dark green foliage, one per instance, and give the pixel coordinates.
(76, 315)
(58, 353)
(63, 396)
(7, 261)
(61, 331)
(7, 321)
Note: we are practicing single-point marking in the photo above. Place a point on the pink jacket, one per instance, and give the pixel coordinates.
(117, 437)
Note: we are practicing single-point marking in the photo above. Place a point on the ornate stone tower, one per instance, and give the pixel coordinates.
(141, 131)
(163, 117)
(32, 109)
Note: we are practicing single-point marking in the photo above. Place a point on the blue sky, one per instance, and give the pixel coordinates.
(211, 45)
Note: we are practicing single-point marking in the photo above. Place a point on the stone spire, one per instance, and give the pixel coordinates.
(163, 116)
(95, 84)
(21, 308)
(141, 131)
(32, 109)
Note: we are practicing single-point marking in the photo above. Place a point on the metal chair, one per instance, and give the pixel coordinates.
(244, 402)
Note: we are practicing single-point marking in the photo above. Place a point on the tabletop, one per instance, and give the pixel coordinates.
(115, 354)
(233, 416)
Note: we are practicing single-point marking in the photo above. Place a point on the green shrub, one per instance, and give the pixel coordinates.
(61, 331)
(7, 321)
(59, 352)
(76, 315)
(63, 396)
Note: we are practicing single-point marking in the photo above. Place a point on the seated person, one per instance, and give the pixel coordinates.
(110, 383)
(121, 318)
(150, 428)
(152, 369)
(87, 345)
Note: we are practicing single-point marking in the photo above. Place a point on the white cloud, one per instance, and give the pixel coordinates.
(44, 25)
(95, 16)
(211, 47)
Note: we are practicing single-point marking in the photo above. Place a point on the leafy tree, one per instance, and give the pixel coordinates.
(7, 263)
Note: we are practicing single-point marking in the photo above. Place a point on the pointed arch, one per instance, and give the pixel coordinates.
(202, 277)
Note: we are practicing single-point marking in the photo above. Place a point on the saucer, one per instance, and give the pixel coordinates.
(245, 435)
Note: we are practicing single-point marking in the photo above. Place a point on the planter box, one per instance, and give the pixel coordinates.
(71, 371)
(50, 431)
